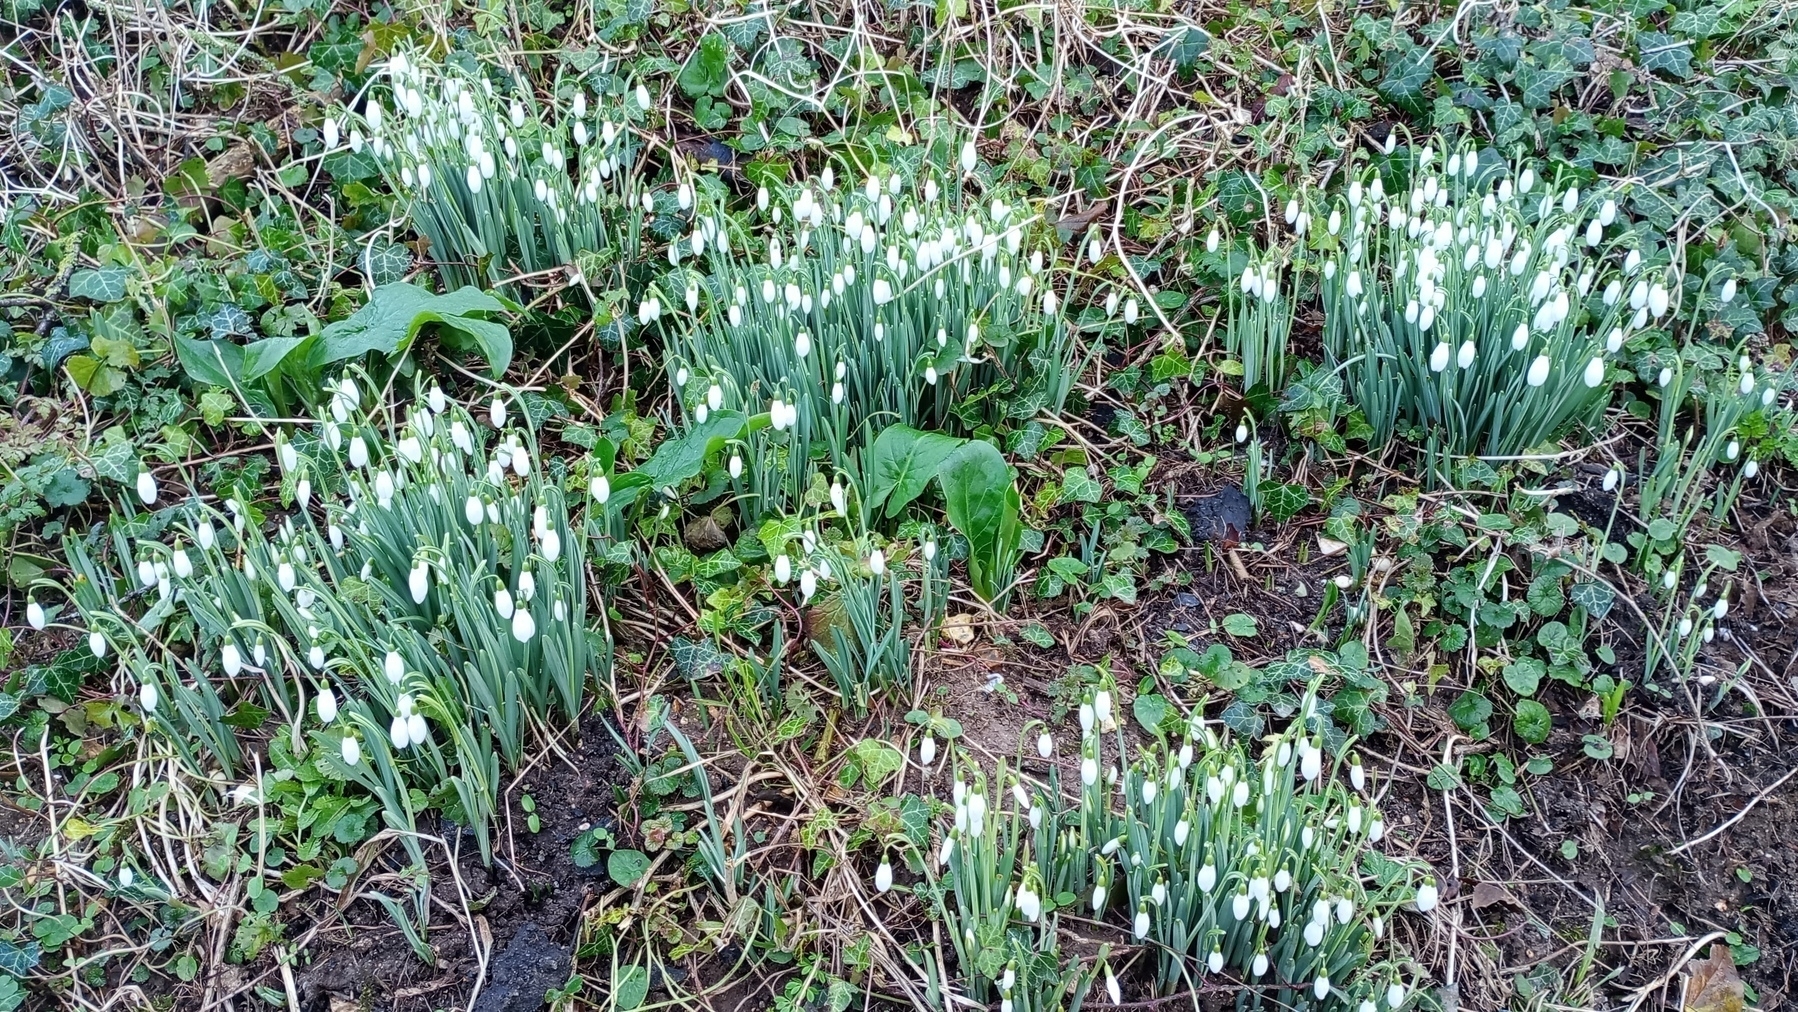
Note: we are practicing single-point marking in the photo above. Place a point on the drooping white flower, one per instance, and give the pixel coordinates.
(1045, 745)
(1729, 291)
(147, 696)
(523, 625)
(418, 582)
(146, 487)
(96, 643)
(1426, 896)
(968, 156)
(327, 705)
(1538, 372)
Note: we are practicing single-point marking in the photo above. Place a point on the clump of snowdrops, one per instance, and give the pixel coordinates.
(1698, 432)
(422, 607)
(502, 185)
(854, 305)
(862, 597)
(1264, 869)
(1477, 305)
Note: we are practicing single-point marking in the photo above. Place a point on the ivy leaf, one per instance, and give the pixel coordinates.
(1596, 598)
(1406, 73)
(386, 263)
(19, 960)
(229, 320)
(1282, 502)
(1185, 46)
(1667, 54)
(696, 659)
(1078, 486)
(104, 284)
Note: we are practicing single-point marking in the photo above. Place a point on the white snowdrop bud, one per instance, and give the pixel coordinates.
(1426, 896)
(1045, 745)
(1538, 372)
(1729, 290)
(34, 615)
(146, 487)
(1131, 311)
(1611, 478)
(1439, 356)
(1594, 374)
(327, 705)
(968, 155)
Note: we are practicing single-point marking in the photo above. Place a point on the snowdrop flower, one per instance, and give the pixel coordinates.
(97, 644)
(600, 489)
(1395, 995)
(146, 487)
(1141, 926)
(352, 750)
(1464, 357)
(1657, 301)
(316, 657)
(358, 452)
(808, 585)
(968, 155)
(1321, 987)
(1242, 431)
(523, 625)
(1426, 893)
(1632, 261)
(642, 97)
(1259, 966)
(1131, 311)
(1089, 768)
(1729, 291)
(393, 666)
(1594, 374)
(502, 602)
(147, 696)
(926, 749)
(327, 705)
(1751, 469)
(34, 615)
(1045, 745)
(1439, 357)
(417, 582)
(883, 877)
(496, 412)
(1538, 373)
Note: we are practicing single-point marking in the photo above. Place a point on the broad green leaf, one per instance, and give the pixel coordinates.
(211, 363)
(395, 314)
(679, 459)
(904, 461)
(708, 69)
(104, 284)
(1532, 721)
(1470, 710)
(1524, 675)
(1240, 625)
(264, 357)
(627, 867)
(1150, 710)
(630, 989)
(982, 503)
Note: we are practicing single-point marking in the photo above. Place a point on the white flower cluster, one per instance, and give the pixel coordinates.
(1482, 313)
(494, 169)
(1216, 860)
(432, 526)
(893, 300)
